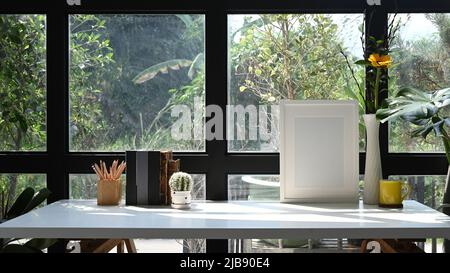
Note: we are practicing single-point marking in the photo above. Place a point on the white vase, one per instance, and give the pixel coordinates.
(181, 199)
(373, 171)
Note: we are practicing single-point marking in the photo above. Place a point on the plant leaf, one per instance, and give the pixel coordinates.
(20, 204)
(447, 122)
(248, 25)
(39, 243)
(40, 197)
(163, 67)
(441, 94)
(197, 64)
(413, 93)
(187, 20)
(15, 248)
(362, 62)
(422, 131)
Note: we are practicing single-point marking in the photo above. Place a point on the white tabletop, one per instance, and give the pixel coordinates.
(223, 220)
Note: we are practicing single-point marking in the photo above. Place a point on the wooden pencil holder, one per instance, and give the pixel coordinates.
(109, 192)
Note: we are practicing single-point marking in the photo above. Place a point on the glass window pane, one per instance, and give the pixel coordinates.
(254, 187)
(266, 188)
(428, 190)
(421, 49)
(84, 186)
(13, 184)
(126, 74)
(23, 83)
(262, 187)
(288, 56)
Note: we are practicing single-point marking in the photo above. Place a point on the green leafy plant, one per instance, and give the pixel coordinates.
(24, 203)
(22, 82)
(162, 68)
(181, 181)
(195, 65)
(424, 110)
(427, 112)
(377, 61)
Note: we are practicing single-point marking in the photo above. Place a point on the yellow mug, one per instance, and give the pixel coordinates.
(393, 192)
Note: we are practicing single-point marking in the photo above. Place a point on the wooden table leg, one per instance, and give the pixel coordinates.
(98, 246)
(388, 246)
(120, 247)
(106, 245)
(131, 248)
(363, 248)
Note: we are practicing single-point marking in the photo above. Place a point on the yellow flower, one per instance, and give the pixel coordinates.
(380, 61)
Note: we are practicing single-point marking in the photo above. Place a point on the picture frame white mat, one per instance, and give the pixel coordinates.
(319, 151)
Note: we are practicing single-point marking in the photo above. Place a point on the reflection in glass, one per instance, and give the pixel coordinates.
(13, 184)
(421, 48)
(126, 74)
(290, 56)
(84, 186)
(23, 83)
(428, 190)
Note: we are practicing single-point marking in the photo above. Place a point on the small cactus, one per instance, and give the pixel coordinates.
(180, 181)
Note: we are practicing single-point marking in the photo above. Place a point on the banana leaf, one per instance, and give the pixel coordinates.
(187, 20)
(163, 68)
(197, 64)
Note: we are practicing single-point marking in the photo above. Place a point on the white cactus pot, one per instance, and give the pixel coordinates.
(181, 199)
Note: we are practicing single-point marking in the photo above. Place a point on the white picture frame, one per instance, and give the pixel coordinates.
(319, 151)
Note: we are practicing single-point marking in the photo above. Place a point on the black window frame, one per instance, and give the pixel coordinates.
(216, 162)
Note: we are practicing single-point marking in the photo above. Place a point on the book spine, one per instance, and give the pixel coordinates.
(142, 185)
(131, 187)
(172, 167)
(163, 177)
(154, 167)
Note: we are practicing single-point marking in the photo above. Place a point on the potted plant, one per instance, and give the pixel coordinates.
(377, 61)
(24, 203)
(181, 185)
(426, 112)
(377, 64)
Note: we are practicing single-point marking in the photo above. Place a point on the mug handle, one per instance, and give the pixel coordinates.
(406, 190)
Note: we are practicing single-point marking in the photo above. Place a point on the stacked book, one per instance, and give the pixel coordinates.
(148, 174)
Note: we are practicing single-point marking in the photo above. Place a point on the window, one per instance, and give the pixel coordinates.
(287, 56)
(23, 83)
(266, 188)
(127, 72)
(428, 190)
(421, 49)
(84, 186)
(13, 184)
(254, 187)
